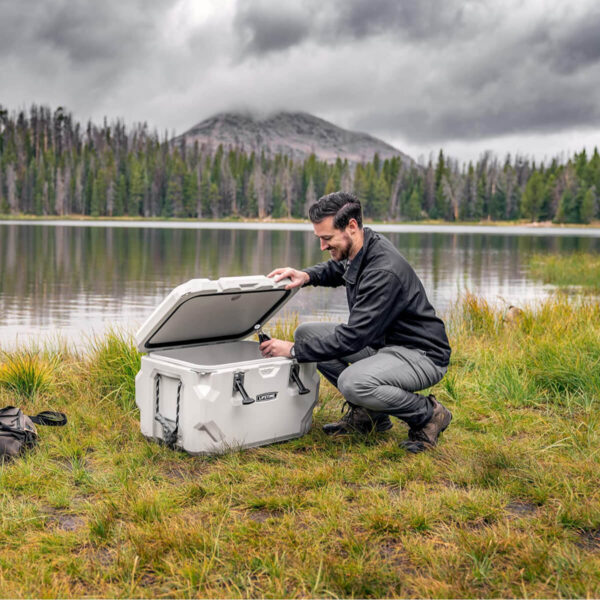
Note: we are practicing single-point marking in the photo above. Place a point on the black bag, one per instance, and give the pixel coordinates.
(18, 432)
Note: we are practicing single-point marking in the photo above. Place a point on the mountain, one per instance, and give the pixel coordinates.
(295, 134)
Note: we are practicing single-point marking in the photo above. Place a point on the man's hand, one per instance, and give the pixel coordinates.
(298, 277)
(274, 347)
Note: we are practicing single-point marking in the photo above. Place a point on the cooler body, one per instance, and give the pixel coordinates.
(213, 398)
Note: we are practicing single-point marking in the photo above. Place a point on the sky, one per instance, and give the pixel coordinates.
(510, 76)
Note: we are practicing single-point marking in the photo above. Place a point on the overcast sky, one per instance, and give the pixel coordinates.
(466, 76)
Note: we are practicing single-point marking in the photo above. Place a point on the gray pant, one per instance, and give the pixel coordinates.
(381, 380)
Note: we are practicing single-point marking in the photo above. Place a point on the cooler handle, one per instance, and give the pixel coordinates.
(238, 386)
(170, 428)
(295, 378)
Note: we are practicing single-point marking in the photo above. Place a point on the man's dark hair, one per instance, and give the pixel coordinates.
(339, 205)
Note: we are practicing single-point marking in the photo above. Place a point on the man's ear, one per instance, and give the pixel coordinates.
(353, 225)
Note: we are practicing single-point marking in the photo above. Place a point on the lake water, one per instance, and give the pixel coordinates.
(74, 279)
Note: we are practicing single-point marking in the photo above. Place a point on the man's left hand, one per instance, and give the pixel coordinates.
(274, 347)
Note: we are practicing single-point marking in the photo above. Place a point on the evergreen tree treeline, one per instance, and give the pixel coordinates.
(50, 165)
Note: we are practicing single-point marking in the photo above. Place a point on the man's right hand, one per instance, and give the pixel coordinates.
(298, 278)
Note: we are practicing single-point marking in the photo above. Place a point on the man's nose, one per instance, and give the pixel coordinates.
(324, 245)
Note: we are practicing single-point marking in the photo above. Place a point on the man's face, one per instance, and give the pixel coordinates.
(337, 241)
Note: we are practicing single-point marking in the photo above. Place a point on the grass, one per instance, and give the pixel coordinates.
(577, 269)
(508, 505)
(27, 373)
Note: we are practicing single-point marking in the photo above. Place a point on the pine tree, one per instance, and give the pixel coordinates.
(205, 193)
(311, 196)
(381, 194)
(120, 196)
(440, 207)
(190, 194)
(587, 210)
(99, 194)
(412, 209)
(533, 197)
(137, 188)
(330, 187)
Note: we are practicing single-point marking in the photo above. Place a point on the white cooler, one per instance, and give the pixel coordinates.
(202, 387)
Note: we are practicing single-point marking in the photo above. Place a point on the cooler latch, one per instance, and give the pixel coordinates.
(295, 378)
(238, 386)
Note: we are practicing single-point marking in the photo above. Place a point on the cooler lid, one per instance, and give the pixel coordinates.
(205, 311)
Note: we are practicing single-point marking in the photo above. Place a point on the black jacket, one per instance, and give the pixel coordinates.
(388, 306)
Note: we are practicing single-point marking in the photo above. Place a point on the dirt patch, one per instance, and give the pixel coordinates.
(148, 579)
(521, 509)
(353, 486)
(261, 515)
(589, 539)
(101, 556)
(454, 485)
(393, 490)
(184, 472)
(392, 552)
(64, 521)
(475, 525)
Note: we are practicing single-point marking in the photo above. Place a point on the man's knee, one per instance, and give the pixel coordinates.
(356, 387)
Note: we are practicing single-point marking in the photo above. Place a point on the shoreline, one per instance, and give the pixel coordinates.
(482, 227)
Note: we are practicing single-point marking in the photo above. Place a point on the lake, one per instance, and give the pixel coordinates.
(73, 279)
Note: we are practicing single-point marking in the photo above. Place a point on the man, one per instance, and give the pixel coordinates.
(393, 344)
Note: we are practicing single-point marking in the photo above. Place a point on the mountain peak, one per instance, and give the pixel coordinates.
(296, 134)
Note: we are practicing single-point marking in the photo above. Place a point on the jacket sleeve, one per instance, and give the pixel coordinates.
(380, 299)
(327, 274)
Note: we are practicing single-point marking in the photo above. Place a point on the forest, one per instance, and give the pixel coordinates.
(50, 164)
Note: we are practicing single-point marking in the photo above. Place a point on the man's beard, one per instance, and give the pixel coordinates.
(343, 253)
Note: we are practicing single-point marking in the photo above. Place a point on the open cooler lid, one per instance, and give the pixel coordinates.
(205, 311)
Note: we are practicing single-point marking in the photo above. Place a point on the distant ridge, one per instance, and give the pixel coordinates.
(295, 134)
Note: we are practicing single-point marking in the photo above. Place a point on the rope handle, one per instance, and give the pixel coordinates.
(170, 428)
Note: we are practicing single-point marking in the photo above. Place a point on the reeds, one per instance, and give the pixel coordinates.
(578, 269)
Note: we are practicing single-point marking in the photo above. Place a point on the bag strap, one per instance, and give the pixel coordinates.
(50, 418)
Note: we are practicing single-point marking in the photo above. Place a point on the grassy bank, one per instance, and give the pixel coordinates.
(578, 270)
(507, 505)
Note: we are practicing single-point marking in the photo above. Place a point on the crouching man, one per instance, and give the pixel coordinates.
(393, 344)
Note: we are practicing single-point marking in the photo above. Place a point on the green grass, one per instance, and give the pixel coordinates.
(578, 269)
(508, 505)
(28, 372)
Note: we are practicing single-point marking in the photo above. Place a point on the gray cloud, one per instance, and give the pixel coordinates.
(80, 34)
(578, 46)
(425, 71)
(410, 19)
(460, 123)
(99, 31)
(265, 28)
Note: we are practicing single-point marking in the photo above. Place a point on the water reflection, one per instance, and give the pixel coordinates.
(78, 280)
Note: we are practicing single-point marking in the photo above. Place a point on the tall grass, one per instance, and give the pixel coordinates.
(27, 373)
(507, 505)
(580, 269)
(112, 366)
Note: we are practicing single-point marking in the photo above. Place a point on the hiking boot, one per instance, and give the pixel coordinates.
(427, 437)
(358, 420)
